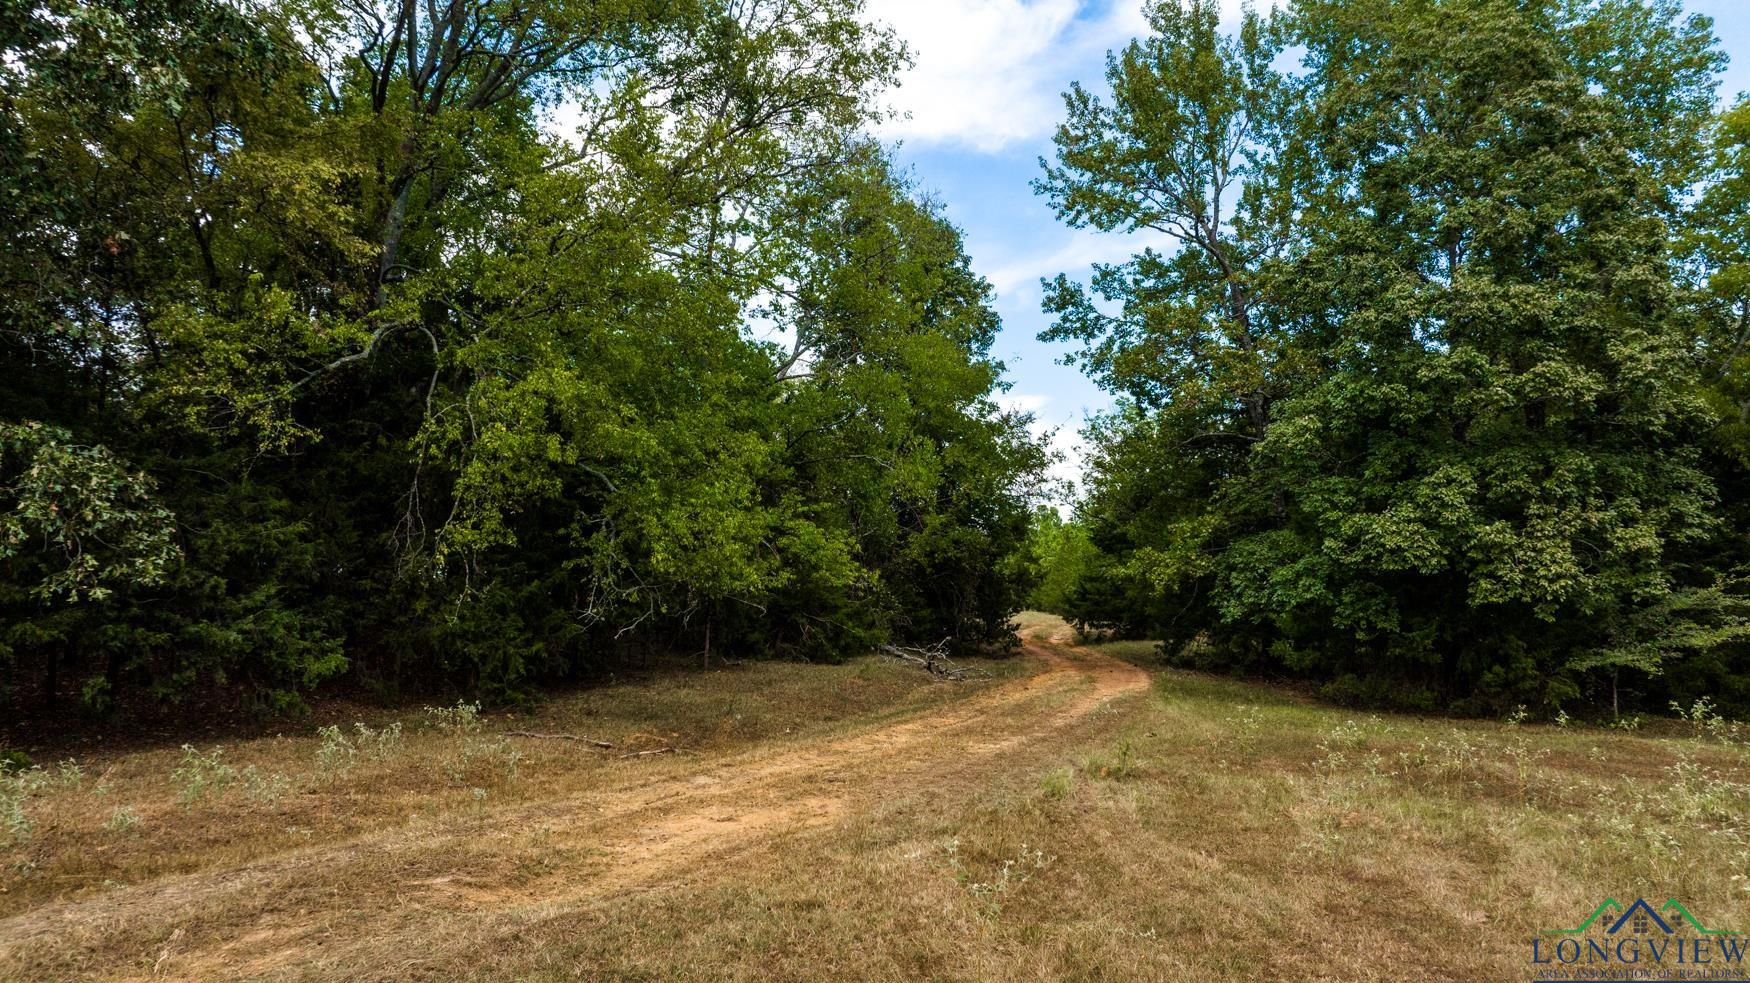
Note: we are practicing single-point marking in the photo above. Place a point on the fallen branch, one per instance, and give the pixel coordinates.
(660, 750)
(559, 737)
(934, 660)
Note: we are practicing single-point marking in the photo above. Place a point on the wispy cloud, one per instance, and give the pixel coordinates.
(1016, 278)
(988, 73)
(1023, 402)
(1060, 429)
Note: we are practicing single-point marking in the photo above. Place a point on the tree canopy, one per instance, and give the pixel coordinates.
(1434, 401)
(457, 345)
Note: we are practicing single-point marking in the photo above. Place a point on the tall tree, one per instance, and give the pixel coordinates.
(1479, 479)
(1193, 145)
(437, 327)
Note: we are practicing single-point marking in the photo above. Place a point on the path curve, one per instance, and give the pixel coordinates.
(638, 834)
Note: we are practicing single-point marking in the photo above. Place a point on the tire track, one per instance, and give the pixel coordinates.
(282, 915)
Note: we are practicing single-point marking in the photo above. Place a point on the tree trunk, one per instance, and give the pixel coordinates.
(394, 225)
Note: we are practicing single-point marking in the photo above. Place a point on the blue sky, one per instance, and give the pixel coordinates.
(981, 102)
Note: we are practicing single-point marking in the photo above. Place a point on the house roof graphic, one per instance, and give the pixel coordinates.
(1641, 906)
(1672, 916)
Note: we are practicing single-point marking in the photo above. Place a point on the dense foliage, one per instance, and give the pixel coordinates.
(1440, 396)
(449, 345)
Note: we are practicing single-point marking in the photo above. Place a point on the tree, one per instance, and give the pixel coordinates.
(886, 391)
(1715, 234)
(1187, 147)
(75, 526)
(437, 330)
(1479, 466)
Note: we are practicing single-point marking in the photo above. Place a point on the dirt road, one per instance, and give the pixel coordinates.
(376, 905)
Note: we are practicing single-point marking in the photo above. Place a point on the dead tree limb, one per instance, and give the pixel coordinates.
(934, 660)
(660, 750)
(559, 737)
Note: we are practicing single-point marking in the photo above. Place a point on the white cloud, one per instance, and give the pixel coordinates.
(1023, 402)
(990, 73)
(1066, 442)
(1061, 432)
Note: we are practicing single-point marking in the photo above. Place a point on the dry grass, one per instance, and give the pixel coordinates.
(1216, 831)
(261, 797)
(1066, 826)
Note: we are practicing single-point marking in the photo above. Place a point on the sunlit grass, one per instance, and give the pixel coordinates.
(89, 825)
(1206, 828)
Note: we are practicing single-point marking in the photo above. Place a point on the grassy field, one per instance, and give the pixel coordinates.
(84, 825)
(1068, 819)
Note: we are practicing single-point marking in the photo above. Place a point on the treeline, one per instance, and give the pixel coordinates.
(452, 345)
(1440, 396)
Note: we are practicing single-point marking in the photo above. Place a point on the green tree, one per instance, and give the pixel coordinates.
(1715, 240)
(75, 526)
(439, 330)
(1062, 552)
(1479, 468)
